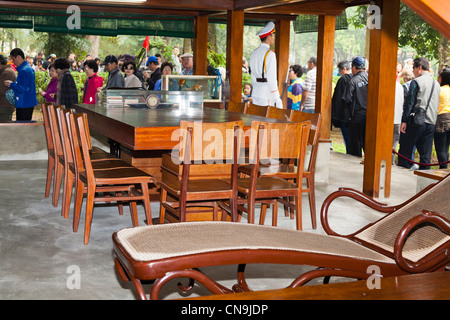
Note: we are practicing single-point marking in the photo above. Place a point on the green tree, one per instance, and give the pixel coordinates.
(414, 32)
(62, 44)
(423, 38)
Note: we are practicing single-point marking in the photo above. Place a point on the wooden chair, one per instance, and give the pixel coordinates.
(288, 170)
(277, 113)
(236, 107)
(59, 160)
(111, 181)
(269, 142)
(412, 237)
(103, 160)
(50, 149)
(194, 152)
(255, 110)
(310, 168)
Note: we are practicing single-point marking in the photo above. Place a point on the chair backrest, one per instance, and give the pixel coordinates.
(424, 240)
(314, 134)
(75, 141)
(255, 110)
(81, 124)
(278, 141)
(54, 128)
(48, 132)
(209, 142)
(277, 113)
(87, 132)
(236, 107)
(64, 133)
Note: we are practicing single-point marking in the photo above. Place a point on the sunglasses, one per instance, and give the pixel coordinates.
(129, 68)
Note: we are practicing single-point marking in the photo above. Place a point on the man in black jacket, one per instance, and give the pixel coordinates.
(339, 114)
(115, 78)
(153, 65)
(355, 100)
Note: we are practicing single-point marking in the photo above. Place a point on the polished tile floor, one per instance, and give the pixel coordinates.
(40, 255)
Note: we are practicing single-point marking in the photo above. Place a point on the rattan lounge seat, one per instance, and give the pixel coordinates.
(413, 237)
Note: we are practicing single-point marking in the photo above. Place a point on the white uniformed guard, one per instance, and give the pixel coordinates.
(263, 66)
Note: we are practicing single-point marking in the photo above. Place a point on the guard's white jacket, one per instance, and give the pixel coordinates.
(264, 93)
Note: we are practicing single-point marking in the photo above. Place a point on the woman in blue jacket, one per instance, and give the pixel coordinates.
(24, 87)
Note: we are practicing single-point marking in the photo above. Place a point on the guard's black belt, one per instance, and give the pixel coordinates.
(263, 79)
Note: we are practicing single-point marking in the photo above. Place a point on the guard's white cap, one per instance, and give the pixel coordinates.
(268, 29)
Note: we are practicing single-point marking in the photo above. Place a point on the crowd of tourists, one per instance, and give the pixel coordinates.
(17, 78)
(422, 104)
(421, 117)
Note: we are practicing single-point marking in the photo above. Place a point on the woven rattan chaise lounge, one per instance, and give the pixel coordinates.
(413, 237)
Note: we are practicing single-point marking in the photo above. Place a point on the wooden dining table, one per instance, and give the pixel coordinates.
(144, 129)
(145, 135)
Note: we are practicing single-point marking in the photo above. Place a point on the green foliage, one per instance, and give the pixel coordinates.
(216, 59)
(414, 32)
(418, 34)
(246, 78)
(63, 44)
(163, 48)
(42, 80)
(80, 79)
(359, 18)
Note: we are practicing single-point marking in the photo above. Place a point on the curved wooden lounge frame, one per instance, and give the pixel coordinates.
(329, 264)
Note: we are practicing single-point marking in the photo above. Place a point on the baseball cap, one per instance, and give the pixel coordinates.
(152, 59)
(359, 62)
(110, 59)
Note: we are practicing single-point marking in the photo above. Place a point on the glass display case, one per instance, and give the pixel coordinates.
(139, 98)
(210, 86)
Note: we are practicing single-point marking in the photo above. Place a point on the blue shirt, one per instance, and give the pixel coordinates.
(25, 86)
(173, 85)
(189, 73)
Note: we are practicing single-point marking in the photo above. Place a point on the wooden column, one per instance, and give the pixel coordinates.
(324, 81)
(381, 101)
(200, 45)
(282, 35)
(235, 51)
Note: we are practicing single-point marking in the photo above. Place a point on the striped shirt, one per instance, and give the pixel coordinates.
(310, 85)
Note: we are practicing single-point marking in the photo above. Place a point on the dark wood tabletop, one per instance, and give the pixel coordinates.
(426, 286)
(152, 129)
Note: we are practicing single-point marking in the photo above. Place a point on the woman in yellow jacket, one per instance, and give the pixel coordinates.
(442, 134)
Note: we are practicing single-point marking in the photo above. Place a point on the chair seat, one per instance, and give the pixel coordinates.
(152, 243)
(121, 173)
(98, 150)
(210, 188)
(102, 155)
(110, 176)
(285, 171)
(110, 164)
(265, 183)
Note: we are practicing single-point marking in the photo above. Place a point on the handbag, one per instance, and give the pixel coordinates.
(10, 96)
(417, 116)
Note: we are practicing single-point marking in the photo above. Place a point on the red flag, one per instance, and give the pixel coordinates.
(146, 43)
